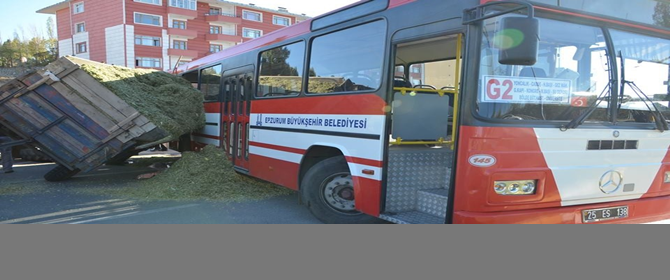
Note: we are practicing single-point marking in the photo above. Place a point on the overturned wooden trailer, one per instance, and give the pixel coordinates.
(73, 118)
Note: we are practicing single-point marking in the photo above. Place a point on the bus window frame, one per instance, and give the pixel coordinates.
(384, 61)
(304, 71)
(220, 97)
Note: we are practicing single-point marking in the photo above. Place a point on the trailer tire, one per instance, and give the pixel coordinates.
(60, 173)
(32, 154)
(329, 194)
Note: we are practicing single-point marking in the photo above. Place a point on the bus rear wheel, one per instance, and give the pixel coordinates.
(328, 190)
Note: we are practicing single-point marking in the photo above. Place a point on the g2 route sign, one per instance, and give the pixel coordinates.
(505, 89)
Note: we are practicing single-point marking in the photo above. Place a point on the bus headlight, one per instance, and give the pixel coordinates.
(666, 178)
(523, 187)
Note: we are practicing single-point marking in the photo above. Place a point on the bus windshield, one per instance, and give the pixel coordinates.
(574, 76)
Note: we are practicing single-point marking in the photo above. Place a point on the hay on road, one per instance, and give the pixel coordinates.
(168, 101)
(204, 175)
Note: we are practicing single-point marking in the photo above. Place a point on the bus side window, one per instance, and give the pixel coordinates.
(281, 71)
(338, 65)
(210, 83)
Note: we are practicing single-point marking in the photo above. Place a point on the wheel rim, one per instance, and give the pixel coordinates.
(338, 193)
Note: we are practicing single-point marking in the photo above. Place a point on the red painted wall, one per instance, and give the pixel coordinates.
(100, 14)
(64, 25)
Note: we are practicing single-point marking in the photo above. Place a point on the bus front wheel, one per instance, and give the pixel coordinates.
(328, 191)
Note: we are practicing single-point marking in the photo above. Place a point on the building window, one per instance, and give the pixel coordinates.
(179, 45)
(184, 4)
(251, 33)
(215, 48)
(148, 62)
(179, 24)
(80, 27)
(82, 48)
(147, 41)
(215, 11)
(155, 2)
(249, 15)
(213, 29)
(78, 8)
(284, 21)
(148, 19)
(281, 71)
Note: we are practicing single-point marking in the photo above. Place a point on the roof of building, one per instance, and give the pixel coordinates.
(65, 4)
(54, 8)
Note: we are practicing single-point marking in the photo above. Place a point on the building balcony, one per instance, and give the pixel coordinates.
(190, 14)
(223, 37)
(183, 53)
(186, 33)
(222, 19)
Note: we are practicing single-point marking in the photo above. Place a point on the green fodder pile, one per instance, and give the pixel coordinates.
(204, 175)
(168, 101)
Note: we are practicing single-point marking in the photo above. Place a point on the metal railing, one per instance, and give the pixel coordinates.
(452, 92)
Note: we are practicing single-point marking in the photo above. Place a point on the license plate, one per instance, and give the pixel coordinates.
(604, 214)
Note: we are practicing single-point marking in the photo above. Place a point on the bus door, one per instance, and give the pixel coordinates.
(424, 102)
(226, 116)
(239, 85)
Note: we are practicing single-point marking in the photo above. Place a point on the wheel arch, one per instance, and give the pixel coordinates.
(315, 154)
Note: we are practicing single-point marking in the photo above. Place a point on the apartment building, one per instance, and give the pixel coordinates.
(159, 34)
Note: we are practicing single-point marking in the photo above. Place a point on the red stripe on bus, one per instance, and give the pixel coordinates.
(517, 153)
(357, 104)
(658, 186)
(364, 161)
(396, 3)
(278, 148)
(213, 107)
(368, 195)
(273, 170)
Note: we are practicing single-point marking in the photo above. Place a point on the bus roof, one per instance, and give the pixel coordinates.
(281, 35)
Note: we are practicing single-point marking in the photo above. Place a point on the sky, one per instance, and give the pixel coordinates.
(15, 14)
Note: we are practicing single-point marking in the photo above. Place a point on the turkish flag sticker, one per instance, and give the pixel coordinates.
(580, 101)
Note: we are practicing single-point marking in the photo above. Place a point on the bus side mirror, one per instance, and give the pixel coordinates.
(518, 41)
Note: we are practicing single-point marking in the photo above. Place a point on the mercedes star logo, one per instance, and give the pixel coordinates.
(611, 181)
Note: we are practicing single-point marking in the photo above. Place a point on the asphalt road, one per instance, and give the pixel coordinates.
(39, 202)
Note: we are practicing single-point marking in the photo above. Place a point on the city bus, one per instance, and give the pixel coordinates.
(454, 111)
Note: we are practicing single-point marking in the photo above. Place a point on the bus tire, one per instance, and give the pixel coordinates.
(60, 173)
(329, 193)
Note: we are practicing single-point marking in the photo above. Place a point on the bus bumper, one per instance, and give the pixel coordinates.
(645, 210)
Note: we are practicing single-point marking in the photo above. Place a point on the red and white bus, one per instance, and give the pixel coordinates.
(454, 111)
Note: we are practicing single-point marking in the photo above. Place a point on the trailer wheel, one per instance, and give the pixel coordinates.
(60, 173)
(329, 193)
